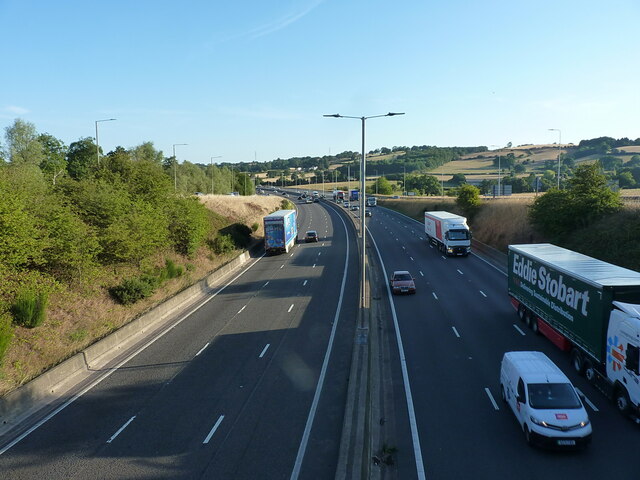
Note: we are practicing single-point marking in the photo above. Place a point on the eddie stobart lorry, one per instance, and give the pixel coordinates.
(280, 231)
(584, 306)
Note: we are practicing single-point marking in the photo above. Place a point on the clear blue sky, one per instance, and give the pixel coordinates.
(252, 79)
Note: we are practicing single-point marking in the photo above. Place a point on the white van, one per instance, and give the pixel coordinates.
(543, 400)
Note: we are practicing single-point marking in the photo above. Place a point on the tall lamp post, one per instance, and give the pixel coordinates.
(363, 171)
(559, 143)
(499, 172)
(219, 156)
(97, 143)
(175, 166)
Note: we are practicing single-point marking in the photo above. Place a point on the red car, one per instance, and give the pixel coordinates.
(402, 282)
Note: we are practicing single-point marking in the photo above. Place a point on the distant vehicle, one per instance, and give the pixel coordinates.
(584, 306)
(339, 196)
(402, 282)
(449, 232)
(234, 194)
(280, 231)
(308, 200)
(395, 196)
(346, 204)
(372, 201)
(315, 193)
(355, 207)
(367, 212)
(354, 195)
(311, 236)
(546, 405)
(199, 194)
(316, 200)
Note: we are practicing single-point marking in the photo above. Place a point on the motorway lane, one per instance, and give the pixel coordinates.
(155, 416)
(455, 330)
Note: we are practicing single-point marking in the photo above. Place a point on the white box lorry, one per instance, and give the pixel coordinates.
(449, 232)
(280, 231)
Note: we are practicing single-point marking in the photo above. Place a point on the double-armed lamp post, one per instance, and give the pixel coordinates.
(363, 176)
(97, 143)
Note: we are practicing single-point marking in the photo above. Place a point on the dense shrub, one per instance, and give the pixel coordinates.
(29, 308)
(133, 289)
(239, 233)
(172, 270)
(188, 225)
(222, 244)
(6, 334)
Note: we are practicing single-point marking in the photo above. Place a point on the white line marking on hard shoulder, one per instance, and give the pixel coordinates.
(202, 349)
(595, 409)
(518, 328)
(213, 430)
(121, 429)
(240, 311)
(265, 284)
(456, 332)
(264, 350)
(281, 266)
(314, 266)
(304, 283)
(291, 255)
(495, 405)
(460, 272)
(483, 294)
(434, 295)
(421, 273)
(290, 308)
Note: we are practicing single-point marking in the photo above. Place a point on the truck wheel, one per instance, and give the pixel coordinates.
(589, 372)
(576, 360)
(622, 400)
(528, 318)
(521, 311)
(534, 325)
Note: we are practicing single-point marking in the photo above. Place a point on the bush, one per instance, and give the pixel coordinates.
(469, 199)
(240, 234)
(255, 227)
(29, 309)
(133, 289)
(222, 244)
(6, 334)
(173, 270)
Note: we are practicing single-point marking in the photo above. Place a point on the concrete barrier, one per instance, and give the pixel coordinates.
(47, 388)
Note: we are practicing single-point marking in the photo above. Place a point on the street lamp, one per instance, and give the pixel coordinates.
(219, 156)
(97, 144)
(499, 171)
(363, 170)
(175, 166)
(559, 143)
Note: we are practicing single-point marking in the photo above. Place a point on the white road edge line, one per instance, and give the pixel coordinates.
(323, 371)
(264, 350)
(417, 452)
(120, 430)
(213, 430)
(456, 332)
(595, 409)
(265, 284)
(202, 349)
(495, 405)
(518, 328)
(240, 311)
(290, 308)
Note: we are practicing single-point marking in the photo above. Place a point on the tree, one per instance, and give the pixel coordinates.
(468, 199)
(146, 152)
(23, 145)
(458, 179)
(383, 186)
(54, 163)
(81, 156)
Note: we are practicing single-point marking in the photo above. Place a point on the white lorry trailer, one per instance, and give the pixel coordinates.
(584, 306)
(449, 232)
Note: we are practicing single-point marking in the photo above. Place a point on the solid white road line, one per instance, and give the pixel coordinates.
(456, 332)
(417, 452)
(264, 350)
(593, 407)
(240, 311)
(495, 405)
(518, 328)
(323, 371)
(281, 266)
(121, 429)
(483, 294)
(202, 349)
(290, 308)
(213, 430)
(291, 255)
(314, 266)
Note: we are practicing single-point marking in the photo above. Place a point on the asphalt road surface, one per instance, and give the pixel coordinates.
(229, 392)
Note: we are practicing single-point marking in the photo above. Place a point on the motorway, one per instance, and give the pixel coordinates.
(454, 331)
(231, 390)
